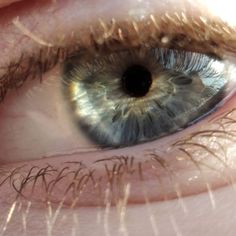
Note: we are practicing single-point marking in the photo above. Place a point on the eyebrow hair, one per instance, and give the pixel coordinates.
(177, 31)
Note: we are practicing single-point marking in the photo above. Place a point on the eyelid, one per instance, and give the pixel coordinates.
(203, 35)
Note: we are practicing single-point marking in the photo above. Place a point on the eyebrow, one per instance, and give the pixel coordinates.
(172, 30)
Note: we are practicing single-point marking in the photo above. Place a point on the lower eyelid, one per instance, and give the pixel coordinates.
(158, 177)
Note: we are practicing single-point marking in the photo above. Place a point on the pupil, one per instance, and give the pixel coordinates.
(136, 81)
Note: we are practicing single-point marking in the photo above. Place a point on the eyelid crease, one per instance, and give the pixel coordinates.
(210, 36)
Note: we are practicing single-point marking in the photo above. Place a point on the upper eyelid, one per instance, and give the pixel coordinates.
(42, 58)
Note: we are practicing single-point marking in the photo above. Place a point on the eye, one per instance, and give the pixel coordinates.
(135, 96)
(36, 126)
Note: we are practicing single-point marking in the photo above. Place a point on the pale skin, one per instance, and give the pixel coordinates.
(207, 213)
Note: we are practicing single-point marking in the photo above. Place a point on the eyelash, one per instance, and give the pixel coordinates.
(117, 174)
(115, 35)
(35, 66)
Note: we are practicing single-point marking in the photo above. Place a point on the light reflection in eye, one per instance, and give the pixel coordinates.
(165, 153)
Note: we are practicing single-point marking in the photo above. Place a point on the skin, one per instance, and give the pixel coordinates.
(4, 3)
(208, 213)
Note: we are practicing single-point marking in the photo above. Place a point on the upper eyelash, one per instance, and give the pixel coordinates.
(124, 34)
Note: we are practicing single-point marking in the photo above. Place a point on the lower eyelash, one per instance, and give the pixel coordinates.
(25, 181)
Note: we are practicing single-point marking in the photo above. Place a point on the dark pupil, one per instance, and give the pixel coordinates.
(136, 81)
